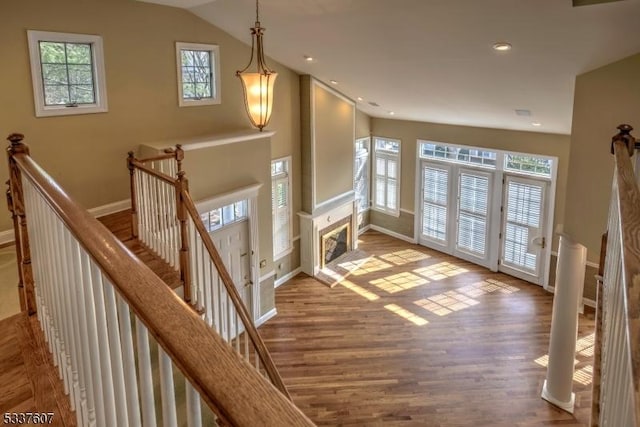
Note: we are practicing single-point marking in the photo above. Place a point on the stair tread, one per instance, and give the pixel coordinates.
(119, 224)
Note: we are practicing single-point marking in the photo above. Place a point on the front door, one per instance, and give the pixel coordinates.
(232, 242)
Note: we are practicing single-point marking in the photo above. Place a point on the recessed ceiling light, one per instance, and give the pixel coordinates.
(308, 58)
(334, 82)
(536, 124)
(360, 98)
(391, 113)
(502, 46)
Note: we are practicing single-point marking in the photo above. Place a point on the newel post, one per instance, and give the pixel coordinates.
(23, 249)
(134, 202)
(182, 186)
(624, 135)
(16, 234)
(179, 156)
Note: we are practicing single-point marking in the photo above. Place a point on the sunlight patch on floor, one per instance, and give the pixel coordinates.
(584, 347)
(354, 264)
(406, 314)
(440, 271)
(359, 290)
(486, 287)
(404, 257)
(446, 303)
(399, 282)
(371, 265)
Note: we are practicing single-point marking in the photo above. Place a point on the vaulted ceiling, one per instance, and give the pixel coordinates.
(433, 61)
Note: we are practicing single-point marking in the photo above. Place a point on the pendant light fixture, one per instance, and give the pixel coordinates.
(258, 84)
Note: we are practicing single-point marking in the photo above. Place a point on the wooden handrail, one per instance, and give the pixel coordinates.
(250, 328)
(628, 199)
(166, 178)
(229, 385)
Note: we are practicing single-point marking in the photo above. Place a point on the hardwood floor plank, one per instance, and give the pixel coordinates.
(416, 337)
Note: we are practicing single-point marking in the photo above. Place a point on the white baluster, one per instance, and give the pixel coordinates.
(129, 362)
(117, 369)
(93, 353)
(145, 376)
(167, 388)
(194, 412)
(103, 343)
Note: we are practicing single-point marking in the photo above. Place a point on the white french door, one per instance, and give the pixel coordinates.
(523, 248)
(472, 217)
(455, 211)
(435, 201)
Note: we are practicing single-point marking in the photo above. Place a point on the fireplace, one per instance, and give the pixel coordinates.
(335, 240)
(327, 233)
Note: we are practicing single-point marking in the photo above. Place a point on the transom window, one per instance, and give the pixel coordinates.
(198, 74)
(528, 164)
(474, 156)
(219, 217)
(67, 72)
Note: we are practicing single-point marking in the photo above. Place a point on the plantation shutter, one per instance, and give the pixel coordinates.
(435, 195)
(392, 184)
(523, 222)
(473, 201)
(280, 214)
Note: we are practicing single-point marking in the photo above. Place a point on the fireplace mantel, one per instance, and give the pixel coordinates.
(311, 225)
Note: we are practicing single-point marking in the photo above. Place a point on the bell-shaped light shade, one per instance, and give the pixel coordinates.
(258, 96)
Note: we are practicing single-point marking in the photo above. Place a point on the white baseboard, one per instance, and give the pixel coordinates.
(7, 236)
(110, 208)
(265, 317)
(393, 234)
(287, 277)
(364, 229)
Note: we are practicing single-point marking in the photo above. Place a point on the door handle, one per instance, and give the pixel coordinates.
(540, 241)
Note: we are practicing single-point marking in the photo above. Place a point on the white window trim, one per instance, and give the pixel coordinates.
(367, 142)
(214, 50)
(289, 249)
(99, 84)
(374, 181)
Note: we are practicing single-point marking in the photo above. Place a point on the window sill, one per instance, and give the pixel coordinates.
(42, 111)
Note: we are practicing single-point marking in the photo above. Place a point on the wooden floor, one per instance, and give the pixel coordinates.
(418, 338)
(28, 380)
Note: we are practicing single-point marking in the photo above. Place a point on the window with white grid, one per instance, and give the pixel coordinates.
(68, 73)
(386, 183)
(281, 207)
(198, 74)
(523, 215)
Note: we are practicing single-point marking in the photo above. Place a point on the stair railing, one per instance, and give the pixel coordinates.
(103, 314)
(164, 214)
(617, 355)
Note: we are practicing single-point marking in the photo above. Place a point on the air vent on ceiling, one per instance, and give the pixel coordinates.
(374, 104)
(524, 113)
(589, 2)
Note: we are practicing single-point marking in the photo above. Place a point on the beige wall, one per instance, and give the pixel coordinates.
(604, 98)
(363, 124)
(528, 142)
(333, 134)
(86, 153)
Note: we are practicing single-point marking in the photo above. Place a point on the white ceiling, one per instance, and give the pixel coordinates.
(432, 60)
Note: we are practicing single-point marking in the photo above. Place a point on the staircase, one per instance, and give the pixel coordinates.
(122, 349)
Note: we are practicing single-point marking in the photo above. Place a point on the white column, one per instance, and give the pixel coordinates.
(570, 272)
